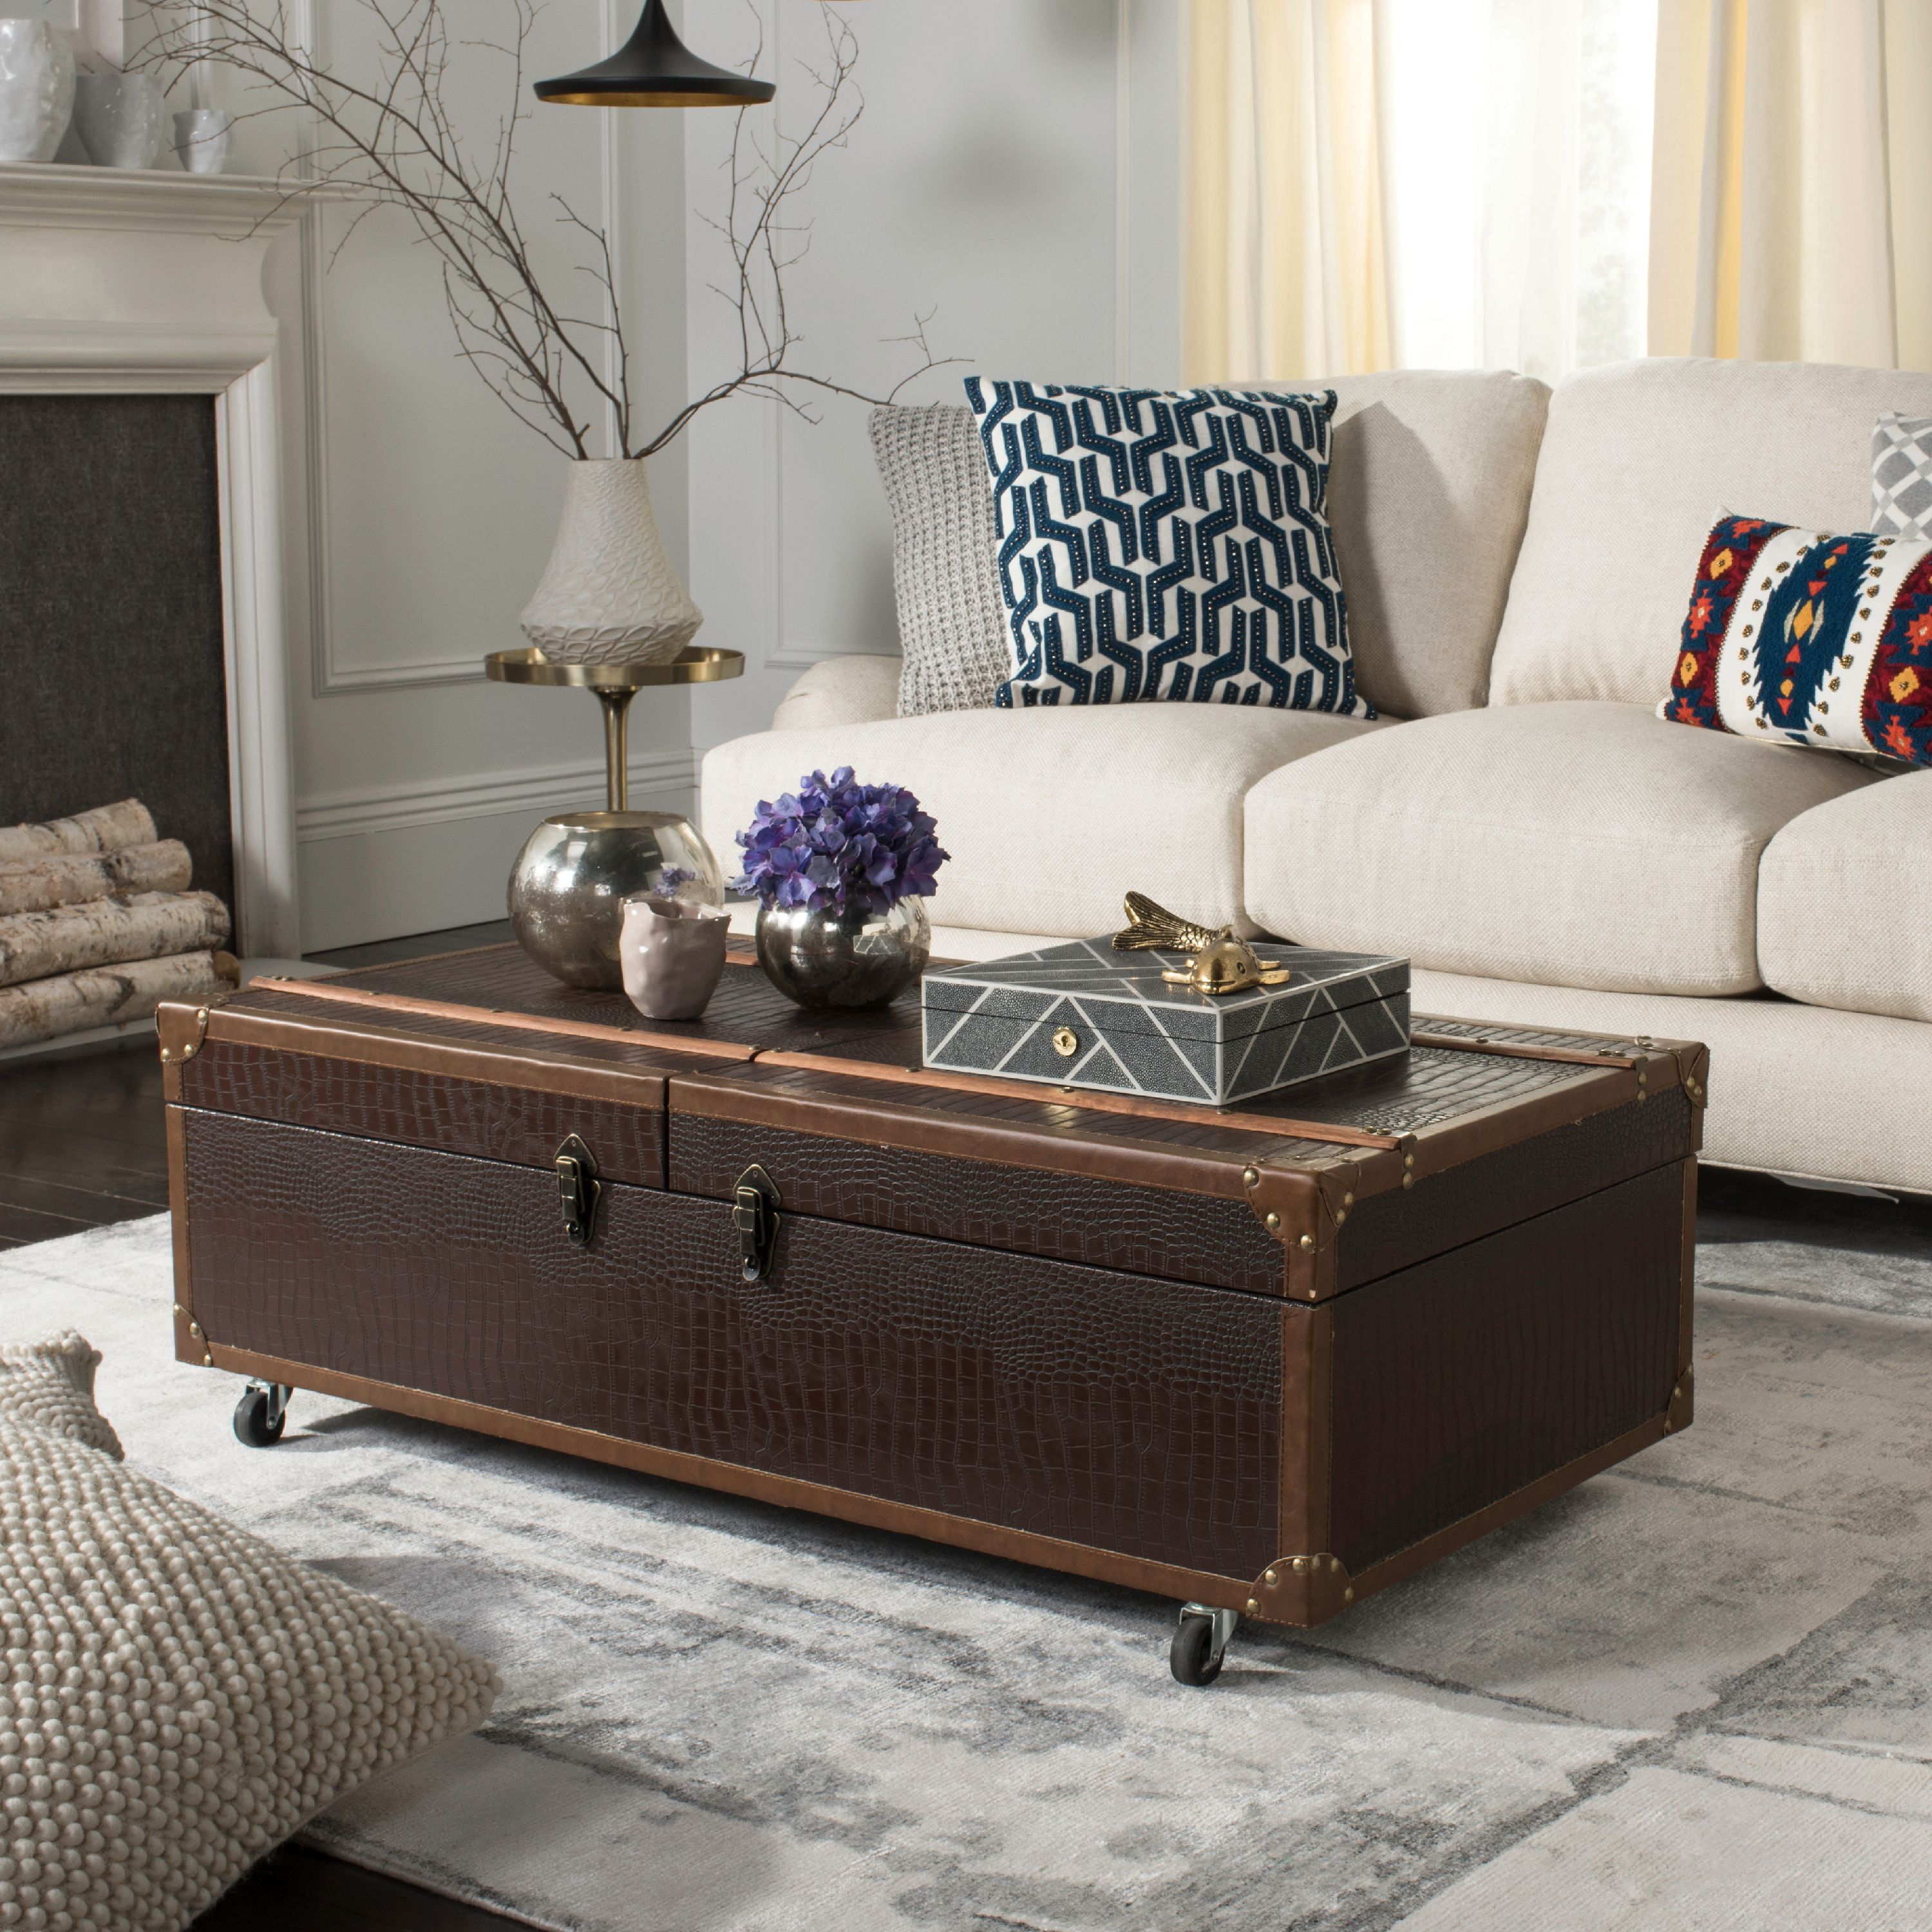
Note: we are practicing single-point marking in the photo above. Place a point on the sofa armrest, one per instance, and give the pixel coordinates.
(841, 690)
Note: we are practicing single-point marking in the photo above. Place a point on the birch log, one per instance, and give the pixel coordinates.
(107, 828)
(72, 878)
(104, 932)
(103, 996)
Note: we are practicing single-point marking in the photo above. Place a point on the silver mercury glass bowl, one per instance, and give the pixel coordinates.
(848, 961)
(569, 884)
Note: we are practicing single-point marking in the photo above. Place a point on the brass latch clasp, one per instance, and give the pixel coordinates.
(754, 1214)
(577, 1188)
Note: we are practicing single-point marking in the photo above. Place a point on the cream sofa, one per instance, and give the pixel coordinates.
(1547, 851)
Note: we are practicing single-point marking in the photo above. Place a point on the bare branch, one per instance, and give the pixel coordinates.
(392, 139)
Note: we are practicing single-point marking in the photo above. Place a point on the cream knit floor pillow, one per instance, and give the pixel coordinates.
(176, 1696)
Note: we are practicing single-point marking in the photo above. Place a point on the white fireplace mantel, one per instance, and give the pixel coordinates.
(125, 281)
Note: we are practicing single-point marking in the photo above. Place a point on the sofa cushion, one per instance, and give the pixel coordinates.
(841, 690)
(952, 624)
(1429, 489)
(1843, 918)
(1052, 815)
(1638, 461)
(1584, 844)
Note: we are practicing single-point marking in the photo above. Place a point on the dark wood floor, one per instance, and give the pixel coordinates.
(81, 1145)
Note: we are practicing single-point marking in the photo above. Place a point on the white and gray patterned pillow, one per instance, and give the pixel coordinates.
(952, 624)
(1902, 475)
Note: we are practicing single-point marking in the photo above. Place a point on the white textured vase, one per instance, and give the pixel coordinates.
(36, 89)
(121, 117)
(609, 594)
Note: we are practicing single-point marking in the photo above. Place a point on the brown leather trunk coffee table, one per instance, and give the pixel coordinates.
(1267, 1360)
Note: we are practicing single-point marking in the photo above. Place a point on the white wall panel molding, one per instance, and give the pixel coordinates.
(538, 790)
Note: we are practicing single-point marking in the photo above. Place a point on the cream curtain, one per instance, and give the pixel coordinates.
(1791, 199)
(1285, 260)
(1538, 184)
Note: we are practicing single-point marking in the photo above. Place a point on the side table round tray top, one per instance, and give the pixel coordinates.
(1268, 1358)
(613, 685)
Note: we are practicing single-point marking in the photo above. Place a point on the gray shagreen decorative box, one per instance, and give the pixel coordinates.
(1082, 1015)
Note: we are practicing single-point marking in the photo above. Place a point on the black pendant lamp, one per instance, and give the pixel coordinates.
(654, 68)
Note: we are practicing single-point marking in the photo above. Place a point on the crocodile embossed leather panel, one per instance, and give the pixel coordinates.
(484, 1118)
(1103, 1409)
(1461, 1380)
(1391, 1231)
(1098, 1223)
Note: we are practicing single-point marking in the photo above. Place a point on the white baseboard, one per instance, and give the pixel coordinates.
(422, 858)
(540, 789)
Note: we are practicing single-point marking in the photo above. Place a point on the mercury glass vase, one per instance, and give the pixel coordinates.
(576, 870)
(847, 961)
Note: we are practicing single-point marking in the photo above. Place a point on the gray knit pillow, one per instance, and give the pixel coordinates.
(953, 629)
(50, 1385)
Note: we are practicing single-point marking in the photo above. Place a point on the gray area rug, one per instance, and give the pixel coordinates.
(1695, 1693)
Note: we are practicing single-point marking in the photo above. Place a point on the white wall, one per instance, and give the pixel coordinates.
(1015, 169)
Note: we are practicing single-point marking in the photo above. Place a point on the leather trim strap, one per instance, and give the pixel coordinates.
(465, 1059)
(895, 1125)
(450, 1009)
(1021, 1546)
(187, 1340)
(1278, 1128)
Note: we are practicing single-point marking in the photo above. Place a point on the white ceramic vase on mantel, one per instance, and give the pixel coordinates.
(609, 594)
(36, 89)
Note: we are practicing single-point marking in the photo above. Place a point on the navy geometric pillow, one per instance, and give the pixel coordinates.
(1167, 544)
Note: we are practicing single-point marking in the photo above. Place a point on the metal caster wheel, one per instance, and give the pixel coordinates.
(1200, 1641)
(261, 1413)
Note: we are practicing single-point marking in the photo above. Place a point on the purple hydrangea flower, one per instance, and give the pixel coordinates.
(834, 844)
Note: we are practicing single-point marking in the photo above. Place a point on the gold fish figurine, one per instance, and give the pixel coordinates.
(1221, 963)
(1150, 925)
(1229, 965)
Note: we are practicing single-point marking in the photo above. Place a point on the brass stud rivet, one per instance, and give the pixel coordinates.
(1254, 1607)
(1409, 1180)
(1341, 1216)
(1249, 1178)
(1307, 1241)
(1334, 1562)
(201, 1014)
(194, 1328)
(1269, 1578)
(1271, 1220)
(1311, 1294)
(188, 1052)
(179, 1310)
(165, 1055)
(208, 1361)
(1348, 1201)
(1065, 1042)
(1300, 1563)
(1349, 1594)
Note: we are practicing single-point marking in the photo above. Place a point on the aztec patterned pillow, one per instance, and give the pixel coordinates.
(1166, 543)
(1824, 640)
(1902, 475)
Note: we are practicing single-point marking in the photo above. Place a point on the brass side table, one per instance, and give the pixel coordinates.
(614, 686)
(570, 881)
